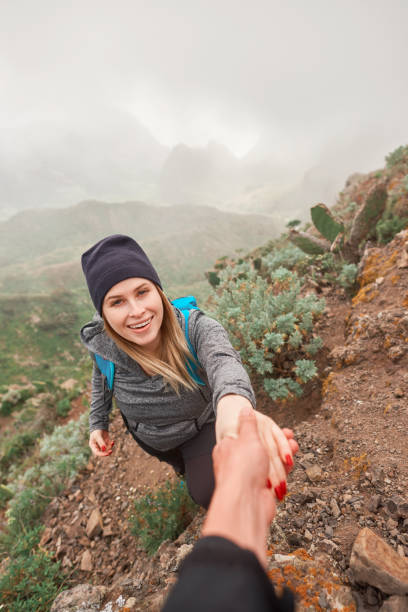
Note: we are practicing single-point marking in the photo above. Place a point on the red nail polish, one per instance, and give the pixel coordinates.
(289, 461)
(113, 442)
(268, 483)
(103, 449)
(278, 493)
(283, 488)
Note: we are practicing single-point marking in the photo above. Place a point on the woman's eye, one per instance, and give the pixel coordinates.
(116, 303)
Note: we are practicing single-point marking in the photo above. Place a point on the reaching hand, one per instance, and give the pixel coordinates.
(243, 504)
(100, 443)
(279, 443)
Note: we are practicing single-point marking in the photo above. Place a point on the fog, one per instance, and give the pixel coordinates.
(269, 98)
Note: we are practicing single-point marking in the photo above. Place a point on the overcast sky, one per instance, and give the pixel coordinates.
(295, 74)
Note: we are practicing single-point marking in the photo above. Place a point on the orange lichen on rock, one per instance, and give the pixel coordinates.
(394, 182)
(387, 342)
(386, 409)
(350, 359)
(395, 278)
(357, 465)
(366, 294)
(370, 271)
(377, 265)
(301, 553)
(405, 301)
(308, 580)
(329, 386)
(358, 328)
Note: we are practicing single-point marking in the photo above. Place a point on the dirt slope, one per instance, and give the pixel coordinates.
(352, 428)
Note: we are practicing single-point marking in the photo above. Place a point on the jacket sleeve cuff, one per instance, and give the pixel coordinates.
(101, 425)
(218, 575)
(233, 390)
(217, 550)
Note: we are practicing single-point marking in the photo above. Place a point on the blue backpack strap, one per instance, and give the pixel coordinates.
(107, 368)
(186, 305)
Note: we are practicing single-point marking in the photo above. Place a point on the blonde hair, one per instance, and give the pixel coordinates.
(175, 354)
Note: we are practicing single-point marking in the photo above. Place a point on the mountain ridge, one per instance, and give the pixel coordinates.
(175, 237)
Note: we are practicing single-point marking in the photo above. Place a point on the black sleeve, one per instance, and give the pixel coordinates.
(222, 577)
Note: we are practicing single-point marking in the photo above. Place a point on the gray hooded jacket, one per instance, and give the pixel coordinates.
(151, 409)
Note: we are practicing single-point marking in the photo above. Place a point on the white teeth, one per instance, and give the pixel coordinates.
(140, 325)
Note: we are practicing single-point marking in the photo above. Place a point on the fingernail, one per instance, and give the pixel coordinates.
(278, 493)
(268, 483)
(289, 461)
(103, 449)
(283, 488)
(113, 442)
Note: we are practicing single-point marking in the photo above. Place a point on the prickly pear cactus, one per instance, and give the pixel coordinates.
(369, 214)
(325, 223)
(309, 244)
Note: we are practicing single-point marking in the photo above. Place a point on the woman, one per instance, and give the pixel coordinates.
(167, 412)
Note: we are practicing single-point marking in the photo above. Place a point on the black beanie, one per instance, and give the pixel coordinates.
(111, 261)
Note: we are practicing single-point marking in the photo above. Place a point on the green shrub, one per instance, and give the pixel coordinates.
(293, 223)
(5, 495)
(351, 207)
(335, 271)
(63, 407)
(32, 579)
(290, 257)
(400, 155)
(61, 454)
(348, 275)
(26, 508)
(271, 324)
(389, 226)
(16, 447)
(14, 399)
(162, 515)
(213, 278)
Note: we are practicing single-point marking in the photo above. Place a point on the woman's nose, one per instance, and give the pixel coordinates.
(135, 309)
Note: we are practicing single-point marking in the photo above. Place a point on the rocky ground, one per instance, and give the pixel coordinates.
(340, 538)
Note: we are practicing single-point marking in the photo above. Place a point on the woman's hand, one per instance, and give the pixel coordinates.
(281, 447)
(100, 443)
(278, 442)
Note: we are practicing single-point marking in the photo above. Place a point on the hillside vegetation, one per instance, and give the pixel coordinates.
(325, 341)
(39, 336)
(40, 249)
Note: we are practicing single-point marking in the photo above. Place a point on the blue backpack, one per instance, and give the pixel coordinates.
(185, 304)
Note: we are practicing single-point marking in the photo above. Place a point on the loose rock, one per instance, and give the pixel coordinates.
(84, 597)
(395, 603)
(314, 473)
(131, 603)
(375, 563)
(86, 561)
(95, 525)
(335, 508)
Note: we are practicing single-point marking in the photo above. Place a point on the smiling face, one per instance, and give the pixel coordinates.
(134, 310)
